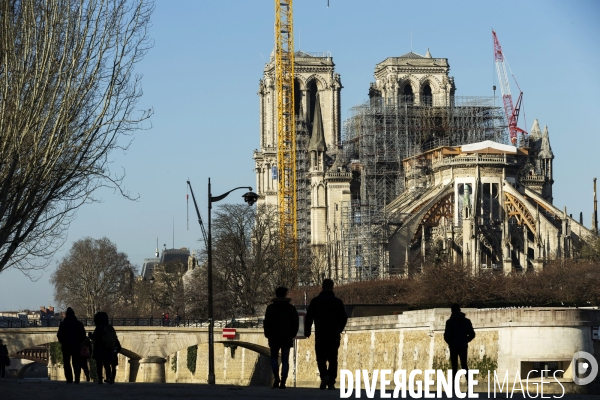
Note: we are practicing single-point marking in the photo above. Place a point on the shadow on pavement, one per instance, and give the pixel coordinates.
(44, 389)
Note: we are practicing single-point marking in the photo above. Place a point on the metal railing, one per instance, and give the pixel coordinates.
(158, 322)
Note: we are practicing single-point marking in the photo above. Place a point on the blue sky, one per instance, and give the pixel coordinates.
(202, 76)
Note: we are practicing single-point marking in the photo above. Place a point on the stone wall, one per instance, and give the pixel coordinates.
(233, 365)
(507, 340)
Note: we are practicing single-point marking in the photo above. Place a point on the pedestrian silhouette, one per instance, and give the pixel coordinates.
(280, 326)
(177, 319)
(86, 353)
(71, 334)
(105, 340)
(458, 333)
(115, 361)
(329, 316)
(4, 359)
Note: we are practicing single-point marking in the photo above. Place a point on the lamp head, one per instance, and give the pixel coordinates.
(250, 197)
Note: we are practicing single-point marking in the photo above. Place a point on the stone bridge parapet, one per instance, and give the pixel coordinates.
(507, 340)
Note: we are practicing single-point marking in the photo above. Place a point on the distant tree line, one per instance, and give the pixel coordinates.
(439, 285)
(95, 276)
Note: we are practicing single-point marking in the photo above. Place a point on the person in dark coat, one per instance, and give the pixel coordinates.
(103, 353)
(87, 343)
(458, 333)
(280, 326)
(70, 335)
(115, 361)
(329, 315)
(3, 358)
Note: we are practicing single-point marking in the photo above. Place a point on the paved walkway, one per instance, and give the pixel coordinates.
(42, 389)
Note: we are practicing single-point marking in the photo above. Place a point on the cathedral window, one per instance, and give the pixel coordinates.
(312, 98)
(426, 95)
(297, 97)
(406, 94)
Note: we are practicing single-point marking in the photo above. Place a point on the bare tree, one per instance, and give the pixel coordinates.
(246, 263)
(196, 293)
(318, 265)
(167, 292)
(590, 249)
(68, 94)
(94, 276)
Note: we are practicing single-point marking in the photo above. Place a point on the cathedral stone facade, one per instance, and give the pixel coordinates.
(485, 204)
(314, 74)
(418, 79)
(421, 174)
(322, 183)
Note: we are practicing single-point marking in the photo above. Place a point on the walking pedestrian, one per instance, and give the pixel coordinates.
(177, 319)
(4, 359)
(280, 327)
(329, 316)
(458, 333)
(86, 353)
(70, 335)
(115, 360)
(105, 339)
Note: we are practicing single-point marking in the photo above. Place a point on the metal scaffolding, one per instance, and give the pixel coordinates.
(303, 193)
(378, 135)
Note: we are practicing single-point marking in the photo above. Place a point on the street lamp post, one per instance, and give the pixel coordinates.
(249, 198)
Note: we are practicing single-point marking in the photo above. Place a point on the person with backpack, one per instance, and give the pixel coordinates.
(280, 327)
(70, 335)
(105, 340)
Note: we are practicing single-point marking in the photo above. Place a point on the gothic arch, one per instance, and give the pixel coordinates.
(433, 82)
(403, 85)
(301, 81)
(406, 90)
(443, 208)
(321, 82)
(514, 208)
(426, 94)
(319, 195)
(409, 79)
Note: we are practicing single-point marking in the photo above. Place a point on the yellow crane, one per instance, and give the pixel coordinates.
(286, 131)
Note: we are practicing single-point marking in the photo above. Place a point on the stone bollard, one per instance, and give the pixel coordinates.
(151, 370)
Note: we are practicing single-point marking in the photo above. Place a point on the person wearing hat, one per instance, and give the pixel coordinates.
(70, 335)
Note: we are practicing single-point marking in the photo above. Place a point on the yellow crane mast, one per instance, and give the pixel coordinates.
(286, 130)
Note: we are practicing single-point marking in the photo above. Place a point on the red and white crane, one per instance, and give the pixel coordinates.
(512, 112)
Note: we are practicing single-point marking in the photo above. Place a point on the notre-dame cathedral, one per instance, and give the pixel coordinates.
(415, 172)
